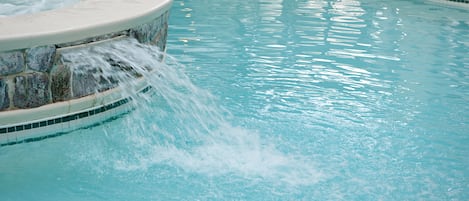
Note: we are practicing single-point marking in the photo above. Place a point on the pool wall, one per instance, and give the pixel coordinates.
(39, 94)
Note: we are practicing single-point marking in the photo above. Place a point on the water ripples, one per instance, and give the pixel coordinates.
(302, 56)
(369, 81)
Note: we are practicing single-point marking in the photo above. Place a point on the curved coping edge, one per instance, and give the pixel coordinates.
(85, 19)
(53, 110)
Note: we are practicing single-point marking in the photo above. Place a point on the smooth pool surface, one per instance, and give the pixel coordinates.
(278, 100)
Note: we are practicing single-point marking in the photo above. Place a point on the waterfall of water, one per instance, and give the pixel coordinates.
(179, 123)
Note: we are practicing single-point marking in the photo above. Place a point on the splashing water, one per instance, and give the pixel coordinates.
(179, 124)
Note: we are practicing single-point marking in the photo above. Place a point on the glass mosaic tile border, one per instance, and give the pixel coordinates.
(31, 126)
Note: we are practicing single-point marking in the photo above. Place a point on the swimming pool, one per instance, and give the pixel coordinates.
(278, 100)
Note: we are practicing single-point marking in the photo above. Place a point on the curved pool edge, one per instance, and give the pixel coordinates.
(40, 94)
(85, 19)
(63, 117)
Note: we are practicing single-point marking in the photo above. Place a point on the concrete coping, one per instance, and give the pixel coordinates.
(85, 19)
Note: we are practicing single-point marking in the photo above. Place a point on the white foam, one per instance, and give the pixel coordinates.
(181, 125)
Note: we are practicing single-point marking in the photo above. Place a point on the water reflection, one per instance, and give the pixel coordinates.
(291, 52)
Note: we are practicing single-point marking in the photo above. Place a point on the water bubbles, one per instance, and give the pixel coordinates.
(180, 125)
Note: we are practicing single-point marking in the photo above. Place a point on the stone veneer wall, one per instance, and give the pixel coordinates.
(35, 76)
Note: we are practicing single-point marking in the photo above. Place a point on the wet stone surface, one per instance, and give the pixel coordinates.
(60, 83)
(146, 33)
(83, 81)
(160, 38)
(31, 90)
(40, 58)
(11, 62)
(37, 76)
(90, 81)
(4, 98)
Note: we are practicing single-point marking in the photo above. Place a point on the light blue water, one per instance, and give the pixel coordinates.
(279, 100)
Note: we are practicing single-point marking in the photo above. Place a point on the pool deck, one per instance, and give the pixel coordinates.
(85, 19)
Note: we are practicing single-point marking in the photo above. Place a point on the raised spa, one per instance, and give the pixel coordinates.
(40, 94)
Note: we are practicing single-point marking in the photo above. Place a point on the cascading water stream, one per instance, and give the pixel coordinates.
(178, 123)
(21, 7)
(276, 100)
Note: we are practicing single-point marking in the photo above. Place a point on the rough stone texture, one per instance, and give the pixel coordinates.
(146, 33)
(154, 33)
(84, 81)
(25, 75)
(143, 33)
(87, 80)
(106, 83)
(4, 98)
(60, 83)
(40, 58)
(119, 65)
(160, 38)
(11, 62)
(31, 90)
(20, 96)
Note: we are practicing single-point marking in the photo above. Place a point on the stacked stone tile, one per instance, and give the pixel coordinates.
(36, 76)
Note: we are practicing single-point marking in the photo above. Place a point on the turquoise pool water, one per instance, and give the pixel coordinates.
(278, 100)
